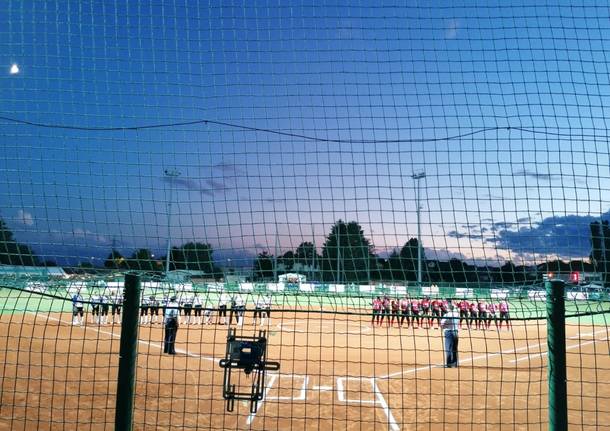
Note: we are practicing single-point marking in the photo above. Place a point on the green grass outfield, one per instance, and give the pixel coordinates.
(14, 300)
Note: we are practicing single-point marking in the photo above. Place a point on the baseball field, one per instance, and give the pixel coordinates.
(337, 371)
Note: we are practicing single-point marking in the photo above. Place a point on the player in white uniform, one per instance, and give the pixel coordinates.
(197, 306)
(240, 308)
(207, 312)
(95, 309)
(222, 307)
(104, 309)
(144, 311)
(267, 314)
(187, 310)
(77, 309)
(115, 306)
(259, 309)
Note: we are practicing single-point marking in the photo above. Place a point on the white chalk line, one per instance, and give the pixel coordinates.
(475, 358)
(378, 400)
(570, 347)
(112, 334)
(268, 386)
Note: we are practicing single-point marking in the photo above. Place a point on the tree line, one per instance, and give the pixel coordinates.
(346, 256)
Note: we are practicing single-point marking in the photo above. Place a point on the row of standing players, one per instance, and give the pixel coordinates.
(192, 310)
(425, 312)
(105, 309)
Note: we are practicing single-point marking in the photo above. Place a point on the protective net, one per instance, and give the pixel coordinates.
(323, 168)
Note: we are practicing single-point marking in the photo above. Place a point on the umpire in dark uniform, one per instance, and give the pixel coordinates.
(171, 326)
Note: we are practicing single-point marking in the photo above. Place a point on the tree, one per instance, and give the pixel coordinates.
(403, 264)
(115, 260)
(307, 259)
(194, 256)
(12, 252)
(458, 270)
(263, 267)
(346, 254)
(286, 261)
(142, 260)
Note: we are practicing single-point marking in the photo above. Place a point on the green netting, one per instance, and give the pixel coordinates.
(313, 156)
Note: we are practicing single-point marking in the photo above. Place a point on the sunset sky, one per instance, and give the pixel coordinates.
(284, 117)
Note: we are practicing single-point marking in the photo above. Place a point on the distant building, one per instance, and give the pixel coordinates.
(292, 277)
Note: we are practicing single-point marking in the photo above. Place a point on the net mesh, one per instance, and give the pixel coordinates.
(313, 157)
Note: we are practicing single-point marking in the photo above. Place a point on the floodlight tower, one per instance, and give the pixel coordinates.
(417, 176)
(170, 174)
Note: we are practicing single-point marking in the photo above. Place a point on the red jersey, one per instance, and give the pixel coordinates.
(436, 304)
(415, 306)
(404, 304)
(425, 304)
(394, 305)
(503, 306)
(376, 304)
(482, 307)
(386, 303)
(463, 305)
(492, 308)
(473, 306)
(444, 306)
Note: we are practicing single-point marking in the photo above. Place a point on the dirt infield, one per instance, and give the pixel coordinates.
(337, 372)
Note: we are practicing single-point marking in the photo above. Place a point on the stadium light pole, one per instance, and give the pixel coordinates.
(275, 252)
(170, 174)
(417, 176)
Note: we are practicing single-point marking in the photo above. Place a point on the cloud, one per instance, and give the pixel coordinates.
(566, 236)
(460, 235)
(452, 29)
(87, 235)
(456, 234)
(502, 225)
(229, 168)
(190, 185)
(24, 218)
(207, 186)
(535, 175)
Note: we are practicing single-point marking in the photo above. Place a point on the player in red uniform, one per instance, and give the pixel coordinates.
(395, 312)
(474, 315)
(491, 315)
(504, 316)
(444, 307)
(385, 310)
(464, 307)
(425, 310)
(482, 309)
(405, 310)
(436, 311)
(415, 313)
(376, 311)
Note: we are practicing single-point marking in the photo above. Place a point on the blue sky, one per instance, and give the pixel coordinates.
(503, 104)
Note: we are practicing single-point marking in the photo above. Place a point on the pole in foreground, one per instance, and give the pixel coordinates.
(123, 418)
(556, 339)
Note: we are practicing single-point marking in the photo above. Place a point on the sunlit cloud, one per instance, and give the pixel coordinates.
(25, 218)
